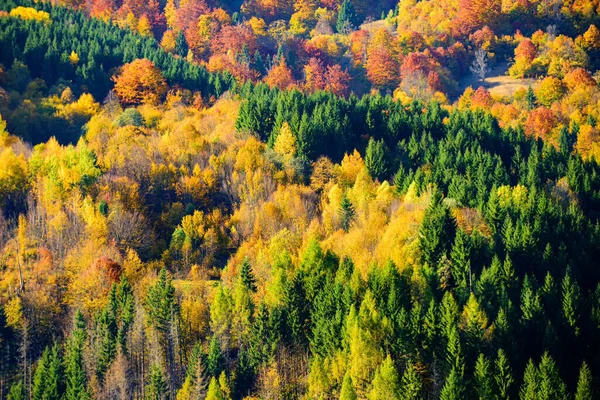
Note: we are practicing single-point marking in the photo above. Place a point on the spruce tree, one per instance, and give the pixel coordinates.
(247, 276)
(375, 159)
(411, 384)
(530, 386)
(347, 391)
(74, 369)
(585, 390)
(346, 18)
(453, 387)
(551, 385)
(157, 388)
(347, 213)
(215, 361)
(483, 378)
(503, 376)
(437, 230)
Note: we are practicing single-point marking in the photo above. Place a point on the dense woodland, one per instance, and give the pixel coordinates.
(293, 200)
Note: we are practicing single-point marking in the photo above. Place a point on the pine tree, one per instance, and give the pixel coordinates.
(347, 213)
(503, 376)
(48, 381)
(386, 384)
(157, 388)
(460, 256)
(74, 368)
(41, 376)
(585, 390)
(181, 46)
(247, 276)
(453, 387)
(160, 302)
(437, 230)
(375, 159)
(551, 385)
(530, 387)
(570, 302)
(347, 391)
(215, 361)
(530, 98)
(411, 384)
(17, 391)
(483, 379)
(346, 18)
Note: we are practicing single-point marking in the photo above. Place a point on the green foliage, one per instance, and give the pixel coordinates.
(375, 159)
(437, 230)
(247, 276)
(157, 388)
(347, 213)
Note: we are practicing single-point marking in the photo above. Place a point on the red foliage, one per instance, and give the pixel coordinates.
(579, 77)
(526, 49)
(540, 123)
(475, 14)
(337, 80)
(233, 37)
(279, 76)
(482, 98)
(189, 13)
(110, 269)
(382, 68)
(415, 62)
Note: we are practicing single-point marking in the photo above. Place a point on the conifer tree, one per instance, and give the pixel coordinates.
(157, 388)
(347, 213)
(530, 385)
(437, 230)
(386, 384)
(503, 376)
(215, 361)
(346, 18)
(375, 159)
(347, 391)
(247, 276)
(453, 387)
(585, 390)
(483, 378)
(411, 384)
(75, 376)
(551, 385)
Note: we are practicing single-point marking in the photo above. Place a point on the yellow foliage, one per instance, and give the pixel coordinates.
(285, 144)
(74, 58)
(28, 13)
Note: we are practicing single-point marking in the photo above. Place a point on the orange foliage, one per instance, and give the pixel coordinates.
(140, 82)
(280, 76)
(540, 123)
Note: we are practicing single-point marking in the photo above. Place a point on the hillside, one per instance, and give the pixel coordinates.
(279, 200)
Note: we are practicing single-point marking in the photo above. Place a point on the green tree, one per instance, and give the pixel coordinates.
(215, 360)
(437, 230)
(157, 388)
(453, 387)
(386, 384)
(551, 385)
(411, 384)
(347, 392)
(530, 386)
(347, 213)
(346, 18)
(247, 276)
(74, 368)
(375, 159)
(503, 376)
(585, 390)
(483, 378)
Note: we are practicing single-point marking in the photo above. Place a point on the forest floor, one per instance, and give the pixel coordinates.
(497, 82)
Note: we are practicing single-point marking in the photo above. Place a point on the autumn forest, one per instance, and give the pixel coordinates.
(309, 199)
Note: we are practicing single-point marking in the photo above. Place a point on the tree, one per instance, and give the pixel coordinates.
(585, 390)
(48, 380)
(551, 385)
(386, 384)
(503, 376)
(140, 82)
(347, 391)
(411, 384)
(247, 276)
(279, 75)
(530, 387)
(437, 230)
(75, 375)
(157, 388)
(375, 159)
(453, 387)
(483, 378)
(347, 213)
(215, 360)
(382, 61)
(479, 66)
(346, 18)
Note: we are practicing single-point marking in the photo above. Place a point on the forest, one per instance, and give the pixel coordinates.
(276, 199)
